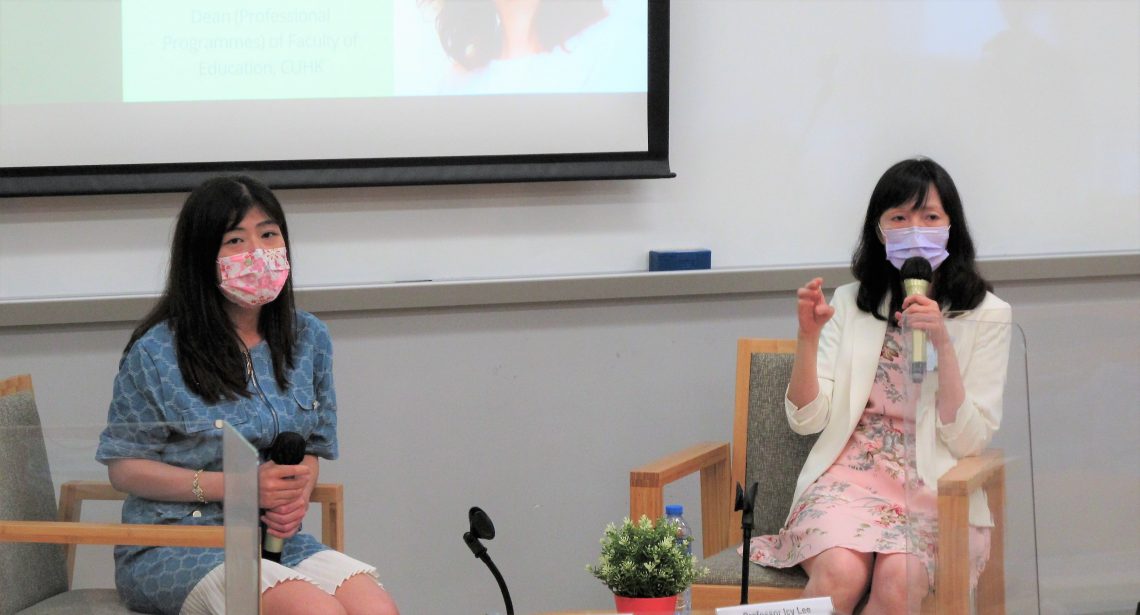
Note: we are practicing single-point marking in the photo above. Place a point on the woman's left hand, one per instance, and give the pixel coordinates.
(923, 313)
(285, 520)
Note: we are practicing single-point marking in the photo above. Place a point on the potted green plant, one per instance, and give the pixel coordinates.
(645, 564)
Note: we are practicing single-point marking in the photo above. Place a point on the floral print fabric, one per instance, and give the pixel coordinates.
(253, 278)
(871, 499)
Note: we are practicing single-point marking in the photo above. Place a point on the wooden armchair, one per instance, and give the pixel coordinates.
(765, 450)
(37, 540)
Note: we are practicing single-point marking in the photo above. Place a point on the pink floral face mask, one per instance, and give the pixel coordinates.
(253, 278)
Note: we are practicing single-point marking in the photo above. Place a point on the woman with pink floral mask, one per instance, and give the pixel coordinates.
(862, 525)
(225, 343)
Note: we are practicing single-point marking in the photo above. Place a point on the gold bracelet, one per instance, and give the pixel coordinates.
(196, 488)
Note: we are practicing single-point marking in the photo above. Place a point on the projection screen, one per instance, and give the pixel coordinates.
(108, 96)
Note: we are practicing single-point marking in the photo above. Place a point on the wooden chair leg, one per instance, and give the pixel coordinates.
(952, 593)
(648, 501)
(716, 507)
(70, 508)
(991, 585)
(332, 524)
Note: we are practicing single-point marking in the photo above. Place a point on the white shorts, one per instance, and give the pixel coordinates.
(327, 570)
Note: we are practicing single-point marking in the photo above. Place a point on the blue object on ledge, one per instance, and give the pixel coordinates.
(678, 260)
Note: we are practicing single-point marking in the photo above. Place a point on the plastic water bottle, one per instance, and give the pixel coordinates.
(673, 512)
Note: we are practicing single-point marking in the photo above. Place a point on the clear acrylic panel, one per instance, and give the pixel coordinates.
(49, 467)
(968, 477)
(243, 537)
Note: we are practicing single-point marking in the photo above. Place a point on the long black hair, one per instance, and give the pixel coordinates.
(210, 353)
(957, 284)
(470, 33)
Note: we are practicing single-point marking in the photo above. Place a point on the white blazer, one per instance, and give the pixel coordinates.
(849, 349)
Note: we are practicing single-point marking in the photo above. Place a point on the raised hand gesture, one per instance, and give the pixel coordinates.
(812, 308)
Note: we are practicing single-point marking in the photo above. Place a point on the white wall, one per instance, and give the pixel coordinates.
(783, 116)
(537, 413)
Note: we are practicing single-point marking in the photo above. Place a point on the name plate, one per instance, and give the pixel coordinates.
(804, 606)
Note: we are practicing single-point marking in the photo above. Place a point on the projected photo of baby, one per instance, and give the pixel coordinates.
(520, 46)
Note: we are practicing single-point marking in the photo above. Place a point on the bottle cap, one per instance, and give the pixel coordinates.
(674, 510)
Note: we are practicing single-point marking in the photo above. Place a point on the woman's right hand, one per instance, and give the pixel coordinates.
(278, 484)
(812, 308)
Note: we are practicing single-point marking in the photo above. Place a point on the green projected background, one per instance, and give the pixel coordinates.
(256, 50)
(59, 51)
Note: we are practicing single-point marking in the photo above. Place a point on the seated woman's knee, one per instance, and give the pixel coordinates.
(897, 584)
(301, 598)
(362, 595)
(839, 573)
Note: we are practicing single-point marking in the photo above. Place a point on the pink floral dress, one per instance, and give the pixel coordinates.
(871, 499)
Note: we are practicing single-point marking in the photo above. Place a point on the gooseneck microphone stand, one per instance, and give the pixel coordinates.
(745, 502)
(481, 527)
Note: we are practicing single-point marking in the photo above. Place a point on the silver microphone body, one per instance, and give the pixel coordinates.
(273, 544)
(915, 286)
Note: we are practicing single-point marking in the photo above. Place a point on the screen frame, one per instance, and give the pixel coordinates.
(338, 173)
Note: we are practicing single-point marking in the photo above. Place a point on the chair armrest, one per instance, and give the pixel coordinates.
(71, 533)
(986, 471)
(331, 498)
(711, 459)
(68, 532)
(72, 494)
(971, 473)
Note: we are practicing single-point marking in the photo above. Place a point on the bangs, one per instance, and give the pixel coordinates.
(901, 187)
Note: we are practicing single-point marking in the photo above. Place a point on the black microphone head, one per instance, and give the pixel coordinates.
(472, 542)
(481, 525)
(746, 499)
(288, 449)
(916, 268)
(750, 495)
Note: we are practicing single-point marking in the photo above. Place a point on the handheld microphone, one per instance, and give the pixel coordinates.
(745, 502)
(481, 527)
(288, 449)
(916, 274)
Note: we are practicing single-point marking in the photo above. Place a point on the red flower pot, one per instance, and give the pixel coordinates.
(646, 606)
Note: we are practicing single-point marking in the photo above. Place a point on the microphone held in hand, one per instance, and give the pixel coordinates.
(482, 528)
(287, 450)
(916, 273)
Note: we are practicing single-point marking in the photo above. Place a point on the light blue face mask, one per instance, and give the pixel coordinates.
(929, 242)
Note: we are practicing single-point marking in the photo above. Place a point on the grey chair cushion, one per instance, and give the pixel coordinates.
(85, 601)
(773, 458)
(31, 572)
(775, 454)
(34, 576)
(724, 569)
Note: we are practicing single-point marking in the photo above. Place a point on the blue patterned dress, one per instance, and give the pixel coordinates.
(154, 416)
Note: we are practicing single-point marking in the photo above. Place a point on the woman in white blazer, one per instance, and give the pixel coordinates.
(842, 378)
